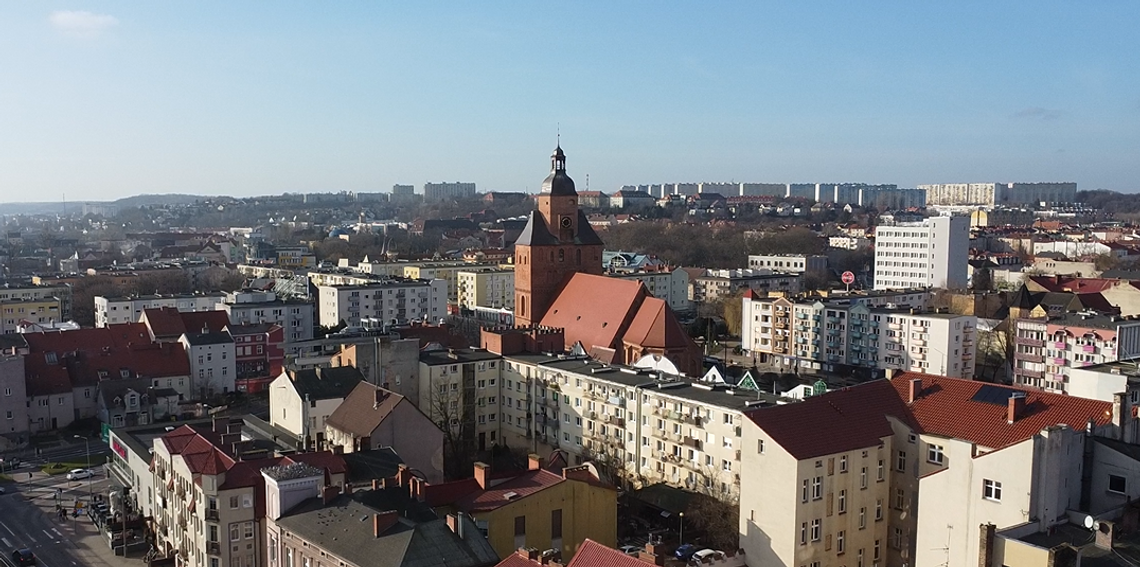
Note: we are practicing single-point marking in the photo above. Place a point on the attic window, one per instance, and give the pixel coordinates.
(102, 374)
(124, 373)
(50, 357)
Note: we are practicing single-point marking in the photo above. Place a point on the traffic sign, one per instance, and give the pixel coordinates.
(848, 278)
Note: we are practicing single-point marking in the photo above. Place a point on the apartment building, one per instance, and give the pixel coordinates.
(116, 310)
(40, 293)
(446, 191)
(460, 388)
(392, 300)
(264, 307)
(933, 252)
(492, 288)
(258, 356)
(718, 284)
(209, 503)
(903, 471)
(1047, 350)
(670, 285)
(213, 362)
(309, 524)
(791, 263)
(447, 271)
(301, 400)
(18, 313)
(835, 334)
(13, 392)
(999, 194)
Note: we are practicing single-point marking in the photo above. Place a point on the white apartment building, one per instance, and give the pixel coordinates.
(395, 300)
(255, 307)
(442, 191)
(928, 253)
(794, 263)
(717, 284)
(638, 426)
(672, 286)
(213, 368)
(1047, 351)
(999, 194)
(834, 334)
(492, 288)
(848, 242)
(115, 310)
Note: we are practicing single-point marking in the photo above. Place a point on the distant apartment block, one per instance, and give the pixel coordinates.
(34, 294)
(442, 191)
(117, 310)
(294, 316)
(392, 301)
(932, 252)
(670, 285)
(492, 288)
(763, 189)
(999, 194)
(718, 284)
(792, 263)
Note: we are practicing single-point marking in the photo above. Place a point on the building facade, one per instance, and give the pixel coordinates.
(492, 288)
(116, 310)
(933, 252)
(392, 301)
(793, 263)
(719, 284)
(1047, 350)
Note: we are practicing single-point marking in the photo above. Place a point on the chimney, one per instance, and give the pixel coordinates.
(338, 449)
(220, 425)
(915, 389)
(380, 395)
(481, 470)
(375, 484)
(382, 521)
(534, 462)
(1105, 533)
(1016, 407)
(329, 493)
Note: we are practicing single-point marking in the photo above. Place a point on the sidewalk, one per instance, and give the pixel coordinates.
(88, 543)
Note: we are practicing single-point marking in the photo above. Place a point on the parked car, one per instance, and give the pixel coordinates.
(630, 549)
(685, 552)
(23, 557)
(706, 553)
(80, 474)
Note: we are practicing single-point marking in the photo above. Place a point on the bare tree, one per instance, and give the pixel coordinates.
(447, 411)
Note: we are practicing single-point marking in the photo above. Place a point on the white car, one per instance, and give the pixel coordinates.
(79, 474)
(630, 549)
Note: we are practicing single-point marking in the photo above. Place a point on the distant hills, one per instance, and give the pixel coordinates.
(41, 208)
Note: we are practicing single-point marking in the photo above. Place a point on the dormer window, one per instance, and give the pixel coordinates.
(124, 373)
(50, 357)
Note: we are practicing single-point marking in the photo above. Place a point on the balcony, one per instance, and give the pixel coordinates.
(213, 548)
(1030, 357)
(1030, 342)
(694, 443)
(614, 420)
(1058, 361)
(211, 514)
(815, 318)
(875, 324)
(856, 335)
(801, 315)
(833, 319)
(1028, 373)
(1062, 345)
(1088, 348)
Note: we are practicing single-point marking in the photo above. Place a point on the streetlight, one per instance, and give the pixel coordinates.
(87, 444)
(681, 535)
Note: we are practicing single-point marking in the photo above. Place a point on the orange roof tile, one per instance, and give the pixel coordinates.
(594, 554)
(522, 486)
(595, 310)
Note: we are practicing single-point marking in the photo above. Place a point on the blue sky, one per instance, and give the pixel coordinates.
(103, 100)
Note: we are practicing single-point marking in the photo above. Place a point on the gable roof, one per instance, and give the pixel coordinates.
(59, 361)
(364, 408)
(521, 486)
(594, 554)
(169, 322)
(595, 310)
(325, 383)
(655, 326)
(947, 407)
(536, 233)
(843, 420)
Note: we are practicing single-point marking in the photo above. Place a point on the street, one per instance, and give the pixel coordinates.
(28, 520)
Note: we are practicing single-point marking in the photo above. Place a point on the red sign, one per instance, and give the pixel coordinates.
(848, 278)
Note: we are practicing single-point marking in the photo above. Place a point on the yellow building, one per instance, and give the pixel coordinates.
(493, 288)
(544, 507)
(14, 311)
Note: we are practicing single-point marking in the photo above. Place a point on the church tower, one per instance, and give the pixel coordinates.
(557, 242)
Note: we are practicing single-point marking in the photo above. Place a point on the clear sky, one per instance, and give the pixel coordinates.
(104, 100)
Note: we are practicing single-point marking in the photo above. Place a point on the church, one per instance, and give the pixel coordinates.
(559, 284)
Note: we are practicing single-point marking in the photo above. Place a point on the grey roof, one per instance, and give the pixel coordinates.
(586, 234)
(111, 389)
(326, 383)
(293, 471)
(456, 356)
(344, 528)
(536, 233)
(13, 340)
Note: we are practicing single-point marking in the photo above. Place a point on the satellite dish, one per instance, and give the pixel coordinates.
(1089, 522)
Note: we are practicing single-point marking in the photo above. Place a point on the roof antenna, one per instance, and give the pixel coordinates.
(558, 134)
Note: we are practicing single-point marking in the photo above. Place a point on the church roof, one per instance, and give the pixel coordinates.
(655, 327)
(558, 182)
(586, 234)
(536, 233)
(595, 310)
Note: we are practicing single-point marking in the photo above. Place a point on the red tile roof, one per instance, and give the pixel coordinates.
(594, 554)
(945, 408)
(61, 360)
(522, 486)
(517, 560)
(842, 420)
(654, 327)
(167, 322)
(856, 417)
(1074, 285)
(595, 310)
(447, 493)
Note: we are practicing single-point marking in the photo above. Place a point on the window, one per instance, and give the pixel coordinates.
(233, 502)
(842, 505)
(803, 533)
(843, 464)
(876, 553)
(235, 532)
(934, 454)
(815, 529)
(859, 559)
(520, 526)
(759, 445)
(556, 524)
(991, 490)
(879, 509)
(900, 499)
(817, 488)
(901, 464)
(1116, 484)
(862, 518)
(804, 497)
(840, 543)
(863, 477)
(880, 471)
(248, 530)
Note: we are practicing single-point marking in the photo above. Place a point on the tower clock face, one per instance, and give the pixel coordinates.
(565, 222)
